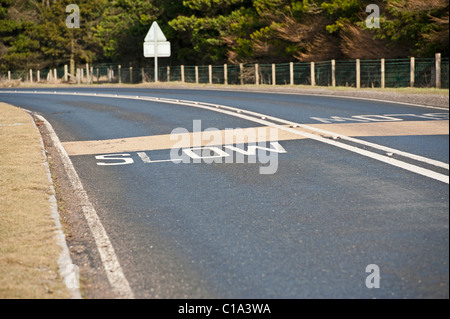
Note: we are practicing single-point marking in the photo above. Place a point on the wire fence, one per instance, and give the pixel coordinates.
(382, 73)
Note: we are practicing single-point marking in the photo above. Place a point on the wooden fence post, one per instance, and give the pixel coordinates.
(291, 73)
(358, 73)
(225, 74)
(333, 73)
(313, 74)
(182, 73)
(274, 74)
(438, 71)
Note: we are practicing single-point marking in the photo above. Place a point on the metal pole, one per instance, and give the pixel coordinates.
(156, 56)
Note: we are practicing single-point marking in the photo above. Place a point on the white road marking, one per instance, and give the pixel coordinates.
(109, 259)
(382, 148)
(144, 157)
(247, 115)
(123, 159)
(64, 260)
(380, 118)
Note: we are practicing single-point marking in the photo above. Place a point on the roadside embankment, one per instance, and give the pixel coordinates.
(29, 247)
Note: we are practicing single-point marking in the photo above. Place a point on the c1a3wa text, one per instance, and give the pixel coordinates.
(238, 308)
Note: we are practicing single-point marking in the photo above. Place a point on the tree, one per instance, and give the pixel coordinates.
(34, 34)
(19, 47)
(420, 26)
(123, 27)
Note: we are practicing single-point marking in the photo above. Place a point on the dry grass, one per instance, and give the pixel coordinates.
(28, 248)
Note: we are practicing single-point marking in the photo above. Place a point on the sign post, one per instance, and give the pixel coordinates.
(156, 45)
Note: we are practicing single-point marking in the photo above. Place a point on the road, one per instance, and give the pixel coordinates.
(342, 184)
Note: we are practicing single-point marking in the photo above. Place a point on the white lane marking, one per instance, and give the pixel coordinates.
(144, 157)
(109, 259)
(412, 168)
(382, 148)
(351, 139)
(380, 118)
(64, 260)
(233, 111)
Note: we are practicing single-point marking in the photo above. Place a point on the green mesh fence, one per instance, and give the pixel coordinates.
(265, 73)
(370, 73)
(249, 74)
(397, 73)
(282, 74)
(345, 73)
(203, 74)
(302, 73)
(425, 73)
(323, 73)
(234, 74)
(173, 73)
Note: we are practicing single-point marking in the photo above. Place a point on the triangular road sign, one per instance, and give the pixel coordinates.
(155, 32)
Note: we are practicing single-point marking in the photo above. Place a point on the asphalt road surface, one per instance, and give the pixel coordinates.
(311, 197)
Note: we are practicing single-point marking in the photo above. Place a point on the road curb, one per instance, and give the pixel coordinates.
(113, 269)
(66, 267)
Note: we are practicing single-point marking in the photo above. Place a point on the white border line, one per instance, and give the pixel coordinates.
(109, 259)
(64, 260)
(262, 119)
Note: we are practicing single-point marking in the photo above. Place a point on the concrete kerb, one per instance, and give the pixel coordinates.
(66, 267)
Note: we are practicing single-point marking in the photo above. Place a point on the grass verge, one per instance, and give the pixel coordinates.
(28, 248)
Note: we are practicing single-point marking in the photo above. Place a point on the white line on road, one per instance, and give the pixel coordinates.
(109, 259)
(257, 117)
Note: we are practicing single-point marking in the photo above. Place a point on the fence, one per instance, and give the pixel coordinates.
(382, 73)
